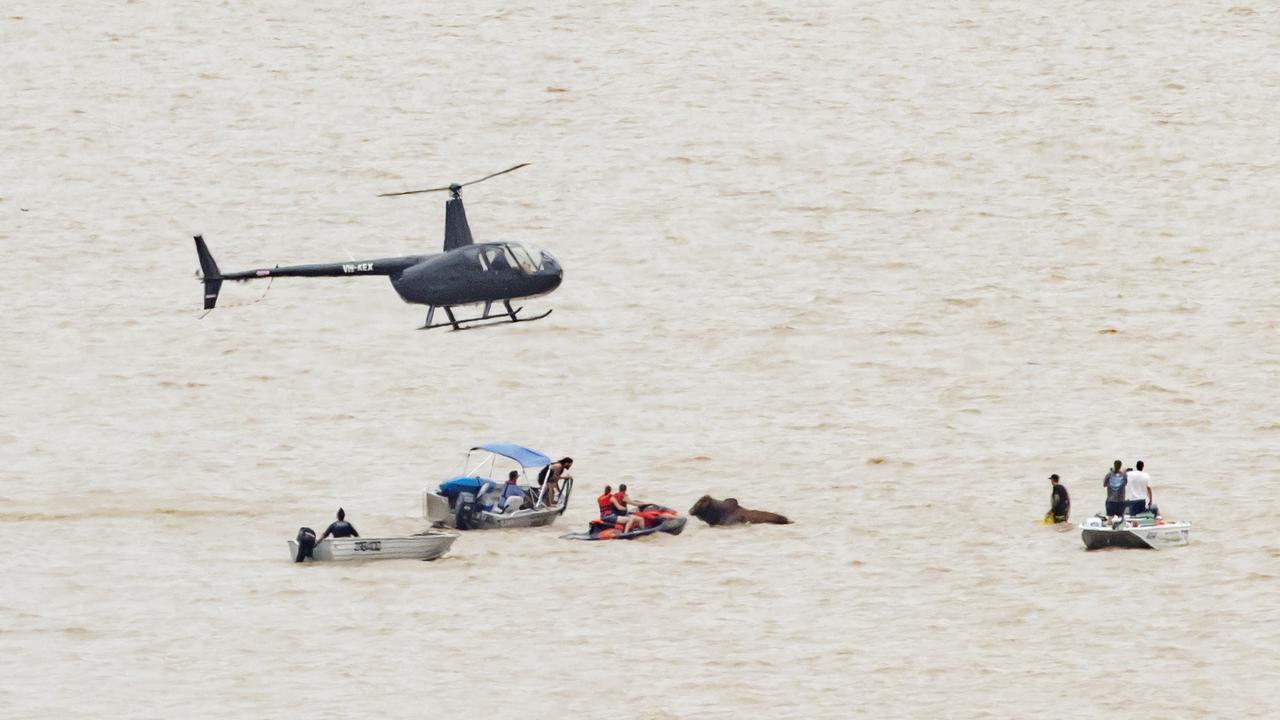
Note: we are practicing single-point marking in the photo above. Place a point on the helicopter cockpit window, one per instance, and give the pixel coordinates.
(530, 262)
(493, 257)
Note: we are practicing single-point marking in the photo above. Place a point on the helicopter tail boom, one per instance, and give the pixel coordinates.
(210, 273)
(213, 277)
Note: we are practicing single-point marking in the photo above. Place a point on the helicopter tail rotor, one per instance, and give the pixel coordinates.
(456, 188)
(209, 273)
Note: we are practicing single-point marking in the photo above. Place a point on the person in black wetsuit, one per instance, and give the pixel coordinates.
(1060, 501)
(339, 528)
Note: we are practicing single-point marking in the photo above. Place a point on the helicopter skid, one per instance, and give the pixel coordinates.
(483, 320)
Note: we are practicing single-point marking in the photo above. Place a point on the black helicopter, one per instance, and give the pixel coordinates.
(466, 273)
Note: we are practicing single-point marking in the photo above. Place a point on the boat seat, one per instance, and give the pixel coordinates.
(512, 504)
(489, 497)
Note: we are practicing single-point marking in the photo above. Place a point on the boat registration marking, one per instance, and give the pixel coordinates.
(368, 545)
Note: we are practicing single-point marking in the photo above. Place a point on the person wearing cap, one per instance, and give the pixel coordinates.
(511, 489)
(1138, 490)
(1059, 501)
(339, 528)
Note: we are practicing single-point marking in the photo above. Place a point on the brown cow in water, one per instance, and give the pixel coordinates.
(728, 512)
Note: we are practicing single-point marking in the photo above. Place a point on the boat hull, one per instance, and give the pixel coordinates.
(521, 519)
(1148, 537)
(436, 510)
(427, 546)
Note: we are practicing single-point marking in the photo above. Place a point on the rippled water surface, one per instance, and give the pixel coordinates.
(881, 267)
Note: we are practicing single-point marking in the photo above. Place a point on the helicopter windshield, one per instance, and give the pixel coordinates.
(495, 257)
(529, 258)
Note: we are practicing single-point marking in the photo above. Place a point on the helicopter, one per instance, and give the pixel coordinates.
(465, 273)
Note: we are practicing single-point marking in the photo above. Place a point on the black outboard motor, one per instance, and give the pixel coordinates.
(306, 543)
(467, 514)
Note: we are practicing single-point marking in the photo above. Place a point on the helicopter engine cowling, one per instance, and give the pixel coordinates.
(442, 280)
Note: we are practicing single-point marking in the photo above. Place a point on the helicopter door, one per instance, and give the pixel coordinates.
(528, 265)
(493, 258)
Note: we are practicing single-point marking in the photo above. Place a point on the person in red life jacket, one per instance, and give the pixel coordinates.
(605, 502)
(620, 502)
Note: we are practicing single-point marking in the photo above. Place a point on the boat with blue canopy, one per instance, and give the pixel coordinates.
(481, 498)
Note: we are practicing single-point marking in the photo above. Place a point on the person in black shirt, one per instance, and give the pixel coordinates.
(339, 528)
(1060, 501)
(550, 476)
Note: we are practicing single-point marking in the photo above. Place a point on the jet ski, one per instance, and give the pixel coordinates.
(656, 519)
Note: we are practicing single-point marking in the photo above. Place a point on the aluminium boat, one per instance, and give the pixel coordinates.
(427, 545)
(1147, 531)
(474, 500)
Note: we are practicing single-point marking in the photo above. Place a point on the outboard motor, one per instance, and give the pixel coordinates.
(306, 543)
(467, 514)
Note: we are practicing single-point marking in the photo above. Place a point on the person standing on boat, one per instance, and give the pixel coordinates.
(339, 528)
(1115, 483)
(1059, 501)
(1138, 490)
(551, 486)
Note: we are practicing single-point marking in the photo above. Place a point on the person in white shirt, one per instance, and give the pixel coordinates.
(1138, 490)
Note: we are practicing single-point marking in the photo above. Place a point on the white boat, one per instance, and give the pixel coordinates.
(427, 545)
(474, 500)
(1144, 531)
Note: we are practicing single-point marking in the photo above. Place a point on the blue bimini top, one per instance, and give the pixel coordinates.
(523, 455)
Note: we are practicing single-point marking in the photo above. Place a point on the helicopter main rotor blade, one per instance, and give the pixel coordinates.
(448, 187)
(486, 177)
(413, 192)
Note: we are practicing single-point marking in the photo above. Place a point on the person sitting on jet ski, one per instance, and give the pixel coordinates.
(605, 502)
(620, 502)
(339, 528)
